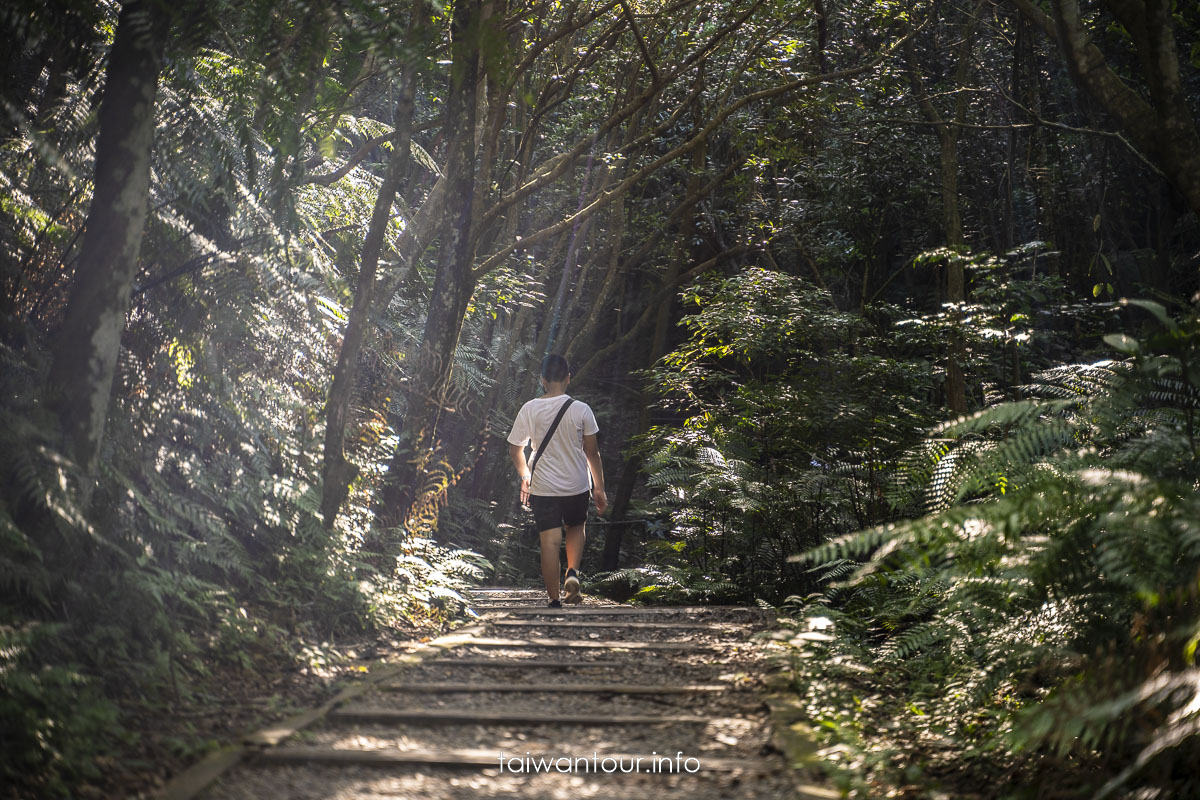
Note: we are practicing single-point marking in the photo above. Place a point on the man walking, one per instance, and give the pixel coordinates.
(563, 432)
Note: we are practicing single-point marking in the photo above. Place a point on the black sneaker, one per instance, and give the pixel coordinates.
(554, 604)
(571, 588)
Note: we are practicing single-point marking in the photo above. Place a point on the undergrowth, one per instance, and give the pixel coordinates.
(1037, 630)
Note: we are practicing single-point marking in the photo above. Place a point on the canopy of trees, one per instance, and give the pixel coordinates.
(887, 310)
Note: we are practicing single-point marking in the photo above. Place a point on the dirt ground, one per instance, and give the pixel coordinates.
(570, 738)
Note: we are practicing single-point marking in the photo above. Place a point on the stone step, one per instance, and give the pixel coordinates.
(476, 717)
(597, 763)
(585, 644)
(694, 626)
(575, 688)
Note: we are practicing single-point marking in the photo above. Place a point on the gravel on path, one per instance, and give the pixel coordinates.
(729, 728)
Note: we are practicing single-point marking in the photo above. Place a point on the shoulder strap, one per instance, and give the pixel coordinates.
(546, 439)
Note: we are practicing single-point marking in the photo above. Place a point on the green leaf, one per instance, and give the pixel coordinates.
(422, 157)
(1122, 343)
(1157, 309)
(327, 147)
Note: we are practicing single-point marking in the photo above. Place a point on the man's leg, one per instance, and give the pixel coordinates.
(575, 540)
(575, 511)
(575, 537)
(551, 541)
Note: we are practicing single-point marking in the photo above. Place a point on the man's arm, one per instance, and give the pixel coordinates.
(517, 453)
(591, 449)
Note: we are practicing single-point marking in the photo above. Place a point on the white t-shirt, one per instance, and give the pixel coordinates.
(562, 470)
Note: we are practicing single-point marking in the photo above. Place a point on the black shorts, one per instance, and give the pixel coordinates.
(550, 513)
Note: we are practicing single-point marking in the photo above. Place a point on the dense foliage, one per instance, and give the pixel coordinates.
(1045, 611)
(1004, 598)
(768, 383)
(277, 274)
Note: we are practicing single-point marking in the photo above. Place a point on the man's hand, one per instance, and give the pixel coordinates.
(517, 453)
(591, 449)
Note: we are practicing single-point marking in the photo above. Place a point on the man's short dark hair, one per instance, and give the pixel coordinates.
(555, 368)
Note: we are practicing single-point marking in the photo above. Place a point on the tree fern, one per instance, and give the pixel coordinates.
(1024, 589)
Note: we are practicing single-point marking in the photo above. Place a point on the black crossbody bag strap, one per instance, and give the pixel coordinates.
(546, 438)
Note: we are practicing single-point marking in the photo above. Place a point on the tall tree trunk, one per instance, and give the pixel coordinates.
(947, 132)
(486, 479)
(956, 294)
(1163, 128)
(567, 279)
(339, 472)
(417, 479)
(685, 252)
(85, 357)
(1014, 89)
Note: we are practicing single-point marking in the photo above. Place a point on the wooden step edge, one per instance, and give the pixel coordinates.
(587, 644)
(538, 663)
(498, 590)
(474, 717)
(574, 688)
(568, 610)
(653, 626)
(492, 758)
(199, 776)
(540, 610)
(195, 779)
(795, 736)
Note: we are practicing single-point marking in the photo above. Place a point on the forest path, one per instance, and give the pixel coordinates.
(595, 701)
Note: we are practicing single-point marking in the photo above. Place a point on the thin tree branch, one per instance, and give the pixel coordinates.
(566, 30)
(637, 34)
(670, 121)
(964, 125)
(649, 242)
(364, 150)
(652, 306)
(495, 259)
(560, 88)
(558, 165)
(1088, 131)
